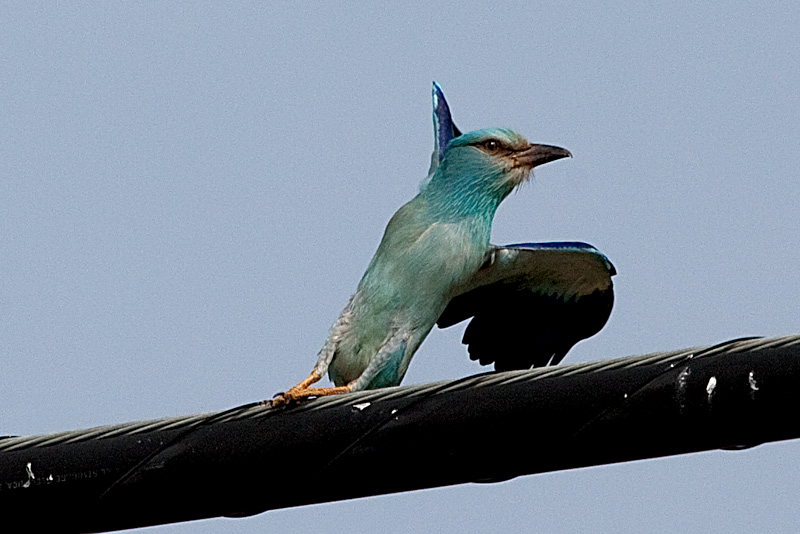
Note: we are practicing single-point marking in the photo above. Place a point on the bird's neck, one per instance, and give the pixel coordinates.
(464, 197)
(463, 206)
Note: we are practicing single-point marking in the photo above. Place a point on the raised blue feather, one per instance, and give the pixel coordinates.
(444, 130)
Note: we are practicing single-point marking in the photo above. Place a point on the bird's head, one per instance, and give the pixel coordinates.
(486, 165)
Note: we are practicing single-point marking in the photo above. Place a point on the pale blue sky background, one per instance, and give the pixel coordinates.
(189, 194)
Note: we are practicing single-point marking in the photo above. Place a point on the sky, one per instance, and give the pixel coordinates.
(189, 193)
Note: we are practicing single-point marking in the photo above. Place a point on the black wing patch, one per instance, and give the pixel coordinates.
(532, 302)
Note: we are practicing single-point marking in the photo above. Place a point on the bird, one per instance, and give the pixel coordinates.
(529, 302)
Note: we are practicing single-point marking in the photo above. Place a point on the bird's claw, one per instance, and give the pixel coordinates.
(298, 393)
(282, 398)
(271, 402)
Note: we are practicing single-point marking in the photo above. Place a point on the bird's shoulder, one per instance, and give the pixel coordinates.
(416, 225)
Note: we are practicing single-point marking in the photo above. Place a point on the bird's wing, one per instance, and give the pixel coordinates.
(531, 302)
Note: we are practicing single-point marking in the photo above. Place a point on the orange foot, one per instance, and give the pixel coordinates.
(295, 394)
(302, 391)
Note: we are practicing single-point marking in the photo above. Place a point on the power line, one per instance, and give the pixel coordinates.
(483, 428)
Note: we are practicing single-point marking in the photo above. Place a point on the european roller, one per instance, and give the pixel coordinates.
(529, 303)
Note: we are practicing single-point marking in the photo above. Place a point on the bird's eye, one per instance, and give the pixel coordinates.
(492, 145)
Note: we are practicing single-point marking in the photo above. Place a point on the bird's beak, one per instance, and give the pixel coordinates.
(540, 154)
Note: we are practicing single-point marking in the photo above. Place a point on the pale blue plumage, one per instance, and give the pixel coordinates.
(435, 263)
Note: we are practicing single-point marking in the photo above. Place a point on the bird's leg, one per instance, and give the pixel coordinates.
(302, 389)
(313, 378)
(324, 359)
(298, 391)
(391, 352)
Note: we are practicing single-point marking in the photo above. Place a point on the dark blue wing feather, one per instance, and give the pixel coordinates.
(531, 302)
(443, 126)
(444, 130)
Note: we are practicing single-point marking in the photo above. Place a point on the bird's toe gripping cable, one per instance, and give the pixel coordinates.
(303, 391)
(297, 393)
